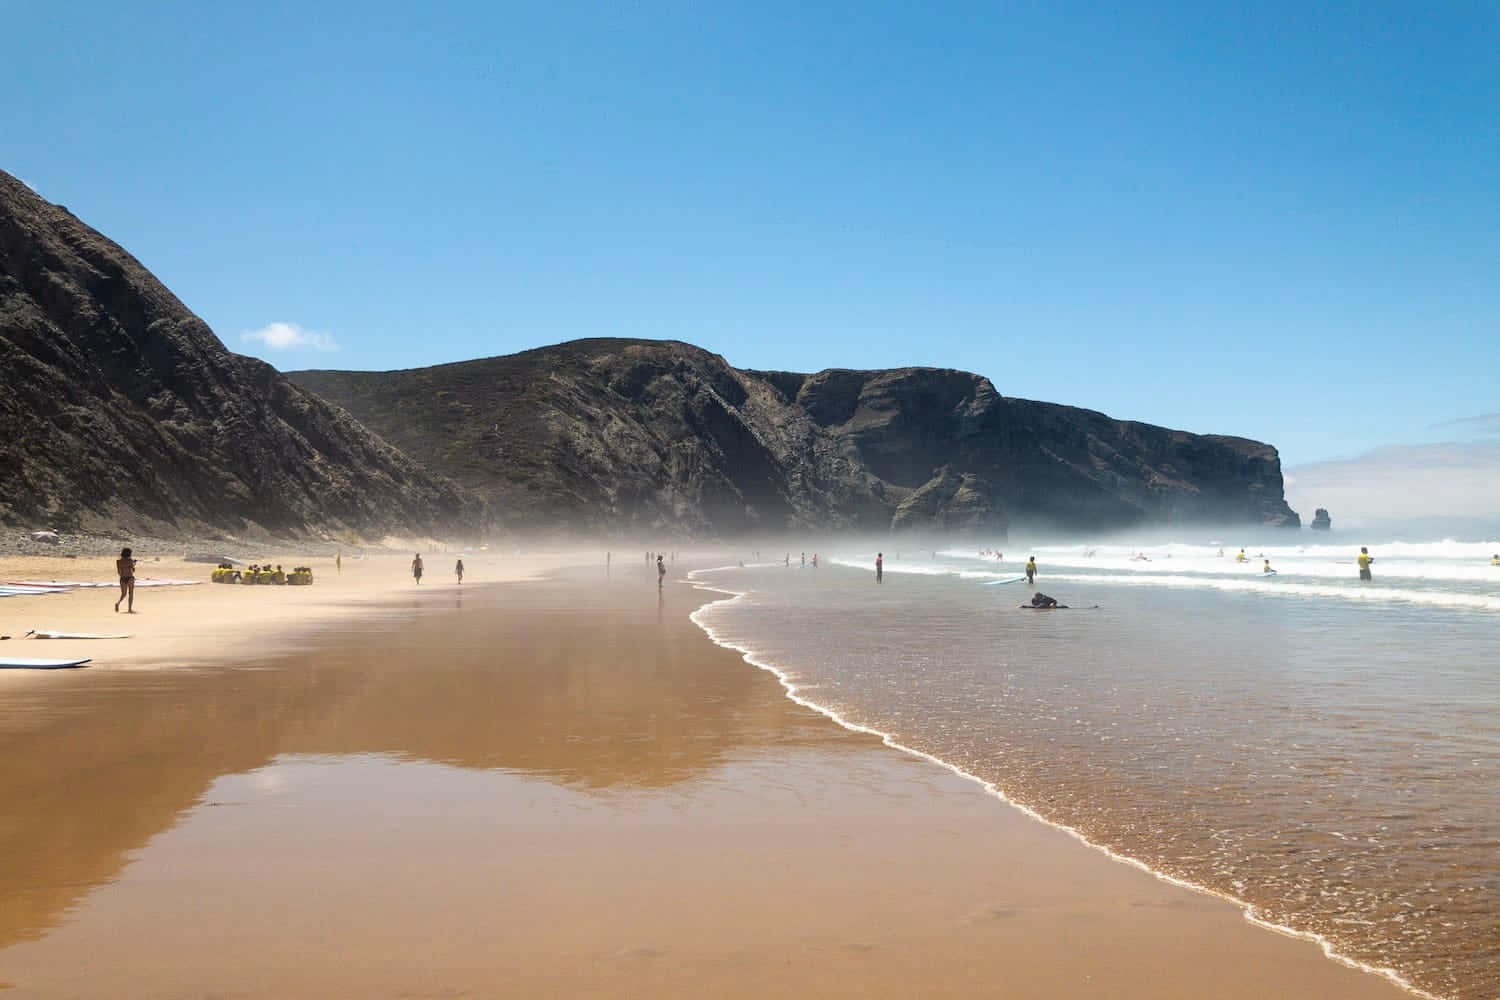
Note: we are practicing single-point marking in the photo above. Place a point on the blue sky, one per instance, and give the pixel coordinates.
(1265, 220)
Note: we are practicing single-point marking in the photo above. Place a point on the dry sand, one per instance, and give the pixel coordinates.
(556, 788)
(188, 626)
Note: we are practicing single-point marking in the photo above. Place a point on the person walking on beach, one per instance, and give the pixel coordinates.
(661, 572)
(879, 567)
(459, 569)
(416, 567)
(1030, 570)
(1364, 563)
(125, 566)
(338, 563)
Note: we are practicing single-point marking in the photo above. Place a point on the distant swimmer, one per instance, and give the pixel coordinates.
(1242, 557)
(879, 567)
(1030, 570)
(459, 569)
(1140, 557)
(1364, 563)
(416, 568)
(661, 572)
(1495, 559)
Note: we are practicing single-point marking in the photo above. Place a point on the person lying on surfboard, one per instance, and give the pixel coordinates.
(1041, 600)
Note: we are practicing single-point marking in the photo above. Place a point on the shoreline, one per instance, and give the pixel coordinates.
(989, 788)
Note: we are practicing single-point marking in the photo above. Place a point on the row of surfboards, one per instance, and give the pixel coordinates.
(33, 663)
(29, 588)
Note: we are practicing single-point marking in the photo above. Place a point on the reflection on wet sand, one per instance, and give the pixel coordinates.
(578, 685)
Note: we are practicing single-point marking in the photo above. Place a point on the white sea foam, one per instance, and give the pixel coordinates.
(1278, 587)
(793, 692)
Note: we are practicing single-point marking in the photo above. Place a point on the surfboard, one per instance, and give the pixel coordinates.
(59, 584)
(1008, 579)
(1059, 607)
(26, 664)
(43, 634)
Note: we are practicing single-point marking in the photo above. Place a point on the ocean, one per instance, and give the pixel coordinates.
(1324, 750)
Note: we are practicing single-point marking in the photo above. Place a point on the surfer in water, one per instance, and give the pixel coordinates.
(125, 566)
(1364, 563)
(879, 567)
(1041, 600)
(1030, 570)
(1267, 568)
(416, 567)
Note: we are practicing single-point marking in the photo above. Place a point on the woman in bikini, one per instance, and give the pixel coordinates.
(126, 567)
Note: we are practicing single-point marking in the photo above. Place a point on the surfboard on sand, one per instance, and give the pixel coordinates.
(47, 634)
(1058, 607)
(28, 664)
(26, 590)
(1008, 579)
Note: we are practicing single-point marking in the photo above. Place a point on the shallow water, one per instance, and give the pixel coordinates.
(1325, 750)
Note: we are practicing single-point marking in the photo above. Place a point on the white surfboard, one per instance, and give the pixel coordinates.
(1008, 579)
(28, 664)
(45, 634)
(59, 584)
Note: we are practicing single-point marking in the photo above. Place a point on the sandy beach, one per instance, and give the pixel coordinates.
(557, 787)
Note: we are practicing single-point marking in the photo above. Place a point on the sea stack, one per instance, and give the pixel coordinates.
(1321, 521)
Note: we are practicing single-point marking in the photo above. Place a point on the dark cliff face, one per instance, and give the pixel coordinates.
(623, 435)
(123, 410)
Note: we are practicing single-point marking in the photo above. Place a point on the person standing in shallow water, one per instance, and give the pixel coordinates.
(416, 568)
(459, 569)
(661, 572)
(125, 566)
(879, 567)
(1364, 563)
(1031, 570)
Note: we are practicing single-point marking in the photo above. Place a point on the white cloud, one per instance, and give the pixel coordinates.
(291, 337)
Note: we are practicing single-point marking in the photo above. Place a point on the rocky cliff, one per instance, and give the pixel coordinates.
(122, 410)
(652, 435)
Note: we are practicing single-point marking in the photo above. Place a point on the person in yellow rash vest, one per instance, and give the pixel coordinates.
(1364, 563)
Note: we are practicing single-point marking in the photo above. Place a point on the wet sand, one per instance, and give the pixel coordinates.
(554, 788)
